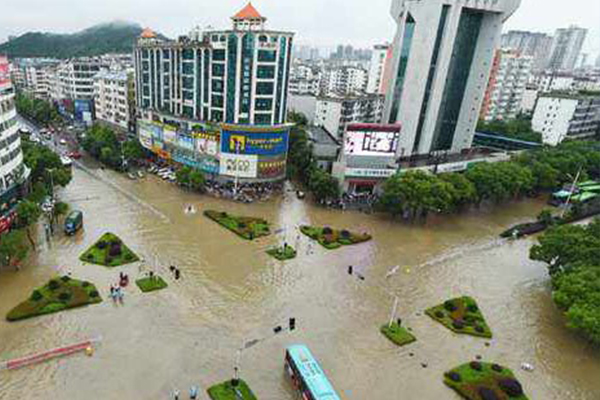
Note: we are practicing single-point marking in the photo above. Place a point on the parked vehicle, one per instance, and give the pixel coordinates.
(74, 155)
(73, 222)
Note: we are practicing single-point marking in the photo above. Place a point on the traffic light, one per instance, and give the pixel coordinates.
(292, 324)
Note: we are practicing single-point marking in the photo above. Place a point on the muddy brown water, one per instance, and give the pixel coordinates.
(231, 292)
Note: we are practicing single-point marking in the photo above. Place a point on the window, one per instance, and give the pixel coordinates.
(188, 68)
(219, 55)
(266, 72)
(217, 101)
(262, 119)
(217, 85)
(266, 55)
(263, 104)
(188, 82)
(264, 88)
(218, 70)
(187, 54)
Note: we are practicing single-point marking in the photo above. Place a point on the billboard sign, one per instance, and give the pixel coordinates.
(207, 143)
(169, 134)
(239, 165)
(369, 173)
(145, 134)
(271, 169)
(83, 109)
(4, 71)
(371, 140)
(255, 143)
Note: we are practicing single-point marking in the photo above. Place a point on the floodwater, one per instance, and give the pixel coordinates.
(231, 292)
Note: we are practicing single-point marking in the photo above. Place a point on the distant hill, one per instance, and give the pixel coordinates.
(113, 37)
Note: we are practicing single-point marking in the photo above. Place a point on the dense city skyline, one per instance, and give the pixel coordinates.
(348, 22)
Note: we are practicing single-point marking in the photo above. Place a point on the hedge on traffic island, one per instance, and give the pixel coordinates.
(109, 251)
(333, 238)
(397, 334)
(484, 381)
(249, 228)
(151, 283)
(282, 253)
(226, 391)
(57, 295)
(461, 315)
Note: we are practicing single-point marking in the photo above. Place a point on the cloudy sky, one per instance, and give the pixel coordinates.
(316, 22)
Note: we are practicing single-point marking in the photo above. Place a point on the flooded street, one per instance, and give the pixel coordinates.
(231, 292)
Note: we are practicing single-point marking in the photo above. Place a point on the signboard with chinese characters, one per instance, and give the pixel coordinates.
(371, 139)
(369, 173)
(238, 165)
(4, 71)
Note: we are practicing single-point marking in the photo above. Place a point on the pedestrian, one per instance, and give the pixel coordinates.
(172, 268)
(176, 395)
(193, 393)
(177, 274)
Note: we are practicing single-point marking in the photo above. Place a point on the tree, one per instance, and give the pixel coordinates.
(300, 160)
(60, 209)
(323, 185)
(133, 150)
(297, 118)
(519, 128)
(488, 182)
(182, 176)
(28, 213)
(43, 162)
(464, 190)
(197, 180)
(546, 217)
(12, 247)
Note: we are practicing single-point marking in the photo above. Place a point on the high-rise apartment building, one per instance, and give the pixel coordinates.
(504, 95)
(380, 57)
(13, 171)
(334, 113)
(566, 48)
(443, 53)
(236, 76)
(343, 80)
(534, 44)
(74, 79)
(217, 100)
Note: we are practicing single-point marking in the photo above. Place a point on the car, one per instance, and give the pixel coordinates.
(62, 142)
(75, 155)
(66, 161)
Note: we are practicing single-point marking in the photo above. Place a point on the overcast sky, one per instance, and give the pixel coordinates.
(316, 22)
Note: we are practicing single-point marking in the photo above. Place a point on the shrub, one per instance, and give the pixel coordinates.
(94, 294)
(449, 305)
(511, 387)
(36, 296)
(475, 365)
(115, 250)
(223, 215)
(85, 284)
(439, 314)
(472, 308)
(108, 260)
(242, 225)
(487, 394)
(479, 329)
(128, 257)
(454, 376)
(53, 285)
(345, 234)
(64, 296)
(327, 231)
(101, 244)
(90, 257)
(458, 324)
(497, 368)
(65, 278)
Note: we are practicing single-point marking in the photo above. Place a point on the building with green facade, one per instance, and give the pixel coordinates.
(188, 89)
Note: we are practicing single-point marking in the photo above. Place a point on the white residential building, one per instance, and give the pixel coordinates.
(376, 82)
(443, 52)
(560, 116)
(13, 171)
(566, 48)
(111, 97)
(37, 81)
(534, 44)
(344, 80)
(530, 96)
(335, 112)
(74, 78)
(504, 94)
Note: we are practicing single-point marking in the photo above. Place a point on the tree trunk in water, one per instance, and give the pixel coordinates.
(30, 238)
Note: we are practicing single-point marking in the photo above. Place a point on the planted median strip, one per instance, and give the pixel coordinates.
(461, 315)
(151, 284)
(226, 391)
(57, 295)
(332, 238)
(109, 251)
(282, 253)
(397, 334)
(484, 381)
(249, 228)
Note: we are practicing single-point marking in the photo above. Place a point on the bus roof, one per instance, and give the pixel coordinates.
(585, 196)
(312, 373)
(74, 214)
(588, 183)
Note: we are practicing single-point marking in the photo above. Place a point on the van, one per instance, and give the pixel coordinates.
(73, 222)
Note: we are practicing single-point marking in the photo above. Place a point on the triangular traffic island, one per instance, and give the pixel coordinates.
(397, 334)
(227, 391)
(57, 295)
(249, 228)
(282, 253)
(333, 239)
(484, 381)
(151, 284)
(109, 251)
(461, 315)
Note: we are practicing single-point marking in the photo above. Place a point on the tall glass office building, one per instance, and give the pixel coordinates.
(225, 84)
(443, 53)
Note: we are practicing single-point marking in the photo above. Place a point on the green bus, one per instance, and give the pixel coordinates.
(73, 222)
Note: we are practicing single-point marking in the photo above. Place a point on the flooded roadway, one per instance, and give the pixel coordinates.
(231, 292)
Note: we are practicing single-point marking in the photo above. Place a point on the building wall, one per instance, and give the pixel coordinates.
(566, 48)
(305, 104)
(111, 98)
(335, 113)
(379, 61)
(530, 96)
(442, 58)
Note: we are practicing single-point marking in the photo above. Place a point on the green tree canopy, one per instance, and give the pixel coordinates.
(13, 247)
